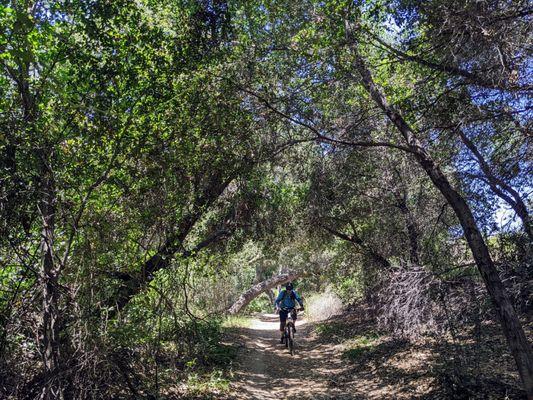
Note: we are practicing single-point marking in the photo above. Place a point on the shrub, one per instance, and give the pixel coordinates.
(260, 304)
(322, 306)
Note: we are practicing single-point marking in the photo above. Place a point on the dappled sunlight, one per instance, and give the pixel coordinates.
(270, 322)
(266, 370)
(171, 172)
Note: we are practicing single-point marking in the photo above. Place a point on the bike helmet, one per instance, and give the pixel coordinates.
(289, 286)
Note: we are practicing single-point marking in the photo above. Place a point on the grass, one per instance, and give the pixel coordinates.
(331, 329)
(212, 380)
(208, 385)
(356, 345)
(342, 331)
(237, 321)
(360, 345)
(220, 355)
(209, 376)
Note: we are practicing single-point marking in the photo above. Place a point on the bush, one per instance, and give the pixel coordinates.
(415, 302)
(322, 306)
(260, 304)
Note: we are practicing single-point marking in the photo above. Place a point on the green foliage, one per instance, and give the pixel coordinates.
(351, 289)
(193, 148)
(355, 344)
(260, 304)
(330, 329)
(360, 346)
(208, 386)
(236, 321)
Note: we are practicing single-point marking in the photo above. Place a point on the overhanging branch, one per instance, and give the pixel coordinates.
(261, 287)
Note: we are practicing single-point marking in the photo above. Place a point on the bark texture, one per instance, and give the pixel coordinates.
(412, 231)
(261, 287)
(49, 269)
(49, 282)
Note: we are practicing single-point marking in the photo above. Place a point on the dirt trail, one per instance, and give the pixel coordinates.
(266, 370)
(387, 368)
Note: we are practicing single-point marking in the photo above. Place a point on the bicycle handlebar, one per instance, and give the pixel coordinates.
(289, 309)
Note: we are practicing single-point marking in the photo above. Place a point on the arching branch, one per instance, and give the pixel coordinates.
(261, 287)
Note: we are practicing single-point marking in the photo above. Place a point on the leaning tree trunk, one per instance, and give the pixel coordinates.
(173, 245)
(512, 328)
(261, 287)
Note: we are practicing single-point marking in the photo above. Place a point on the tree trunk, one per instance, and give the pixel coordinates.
(49, 281)
(271, 296)
(173, 244)
(412, 231)
(261, 287)
(512, 328)
(49, 271)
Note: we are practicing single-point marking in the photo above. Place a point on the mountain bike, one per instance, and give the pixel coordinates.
(290, 328)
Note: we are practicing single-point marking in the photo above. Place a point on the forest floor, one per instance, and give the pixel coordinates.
(345, 358)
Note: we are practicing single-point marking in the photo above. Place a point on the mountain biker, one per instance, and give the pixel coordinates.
(285, 302)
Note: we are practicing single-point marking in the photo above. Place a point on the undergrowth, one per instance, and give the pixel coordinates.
(360, 345)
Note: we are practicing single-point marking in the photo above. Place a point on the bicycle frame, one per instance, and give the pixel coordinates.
(288, 332)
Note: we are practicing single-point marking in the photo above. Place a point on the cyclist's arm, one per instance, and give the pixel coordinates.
(299, 299)
(278, 299)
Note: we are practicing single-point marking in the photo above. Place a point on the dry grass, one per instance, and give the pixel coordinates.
(322, 306)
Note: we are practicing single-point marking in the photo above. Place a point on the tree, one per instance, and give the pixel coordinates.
(326, 41)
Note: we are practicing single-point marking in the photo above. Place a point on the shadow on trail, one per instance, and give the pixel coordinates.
(268, 318)
(347, 359)
(429, 369)
(266, 370)
(376, 367)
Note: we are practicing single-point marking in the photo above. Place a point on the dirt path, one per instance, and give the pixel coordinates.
(265, 369)
(384, 368)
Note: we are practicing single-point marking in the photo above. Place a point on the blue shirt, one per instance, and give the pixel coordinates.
(288, 301)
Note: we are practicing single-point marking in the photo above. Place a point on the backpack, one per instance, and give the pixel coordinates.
(293, 296)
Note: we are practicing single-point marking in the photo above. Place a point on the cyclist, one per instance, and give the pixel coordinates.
(286, 302)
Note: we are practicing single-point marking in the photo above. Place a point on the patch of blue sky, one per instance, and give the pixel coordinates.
(325, 148)
(393, 29)
(401, 24)
(455, 232)
(525, 75)
(501, 215)
(52, 13)
(505, 218)
(517, 100)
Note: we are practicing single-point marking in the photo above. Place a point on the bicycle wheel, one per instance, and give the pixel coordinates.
(287, 335)
(291, 343)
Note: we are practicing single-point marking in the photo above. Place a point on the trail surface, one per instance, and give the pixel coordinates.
(266, 370)
(380, 367)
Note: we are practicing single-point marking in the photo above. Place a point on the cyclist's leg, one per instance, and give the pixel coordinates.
(282, 319)
(294, 316)
(282, 322)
